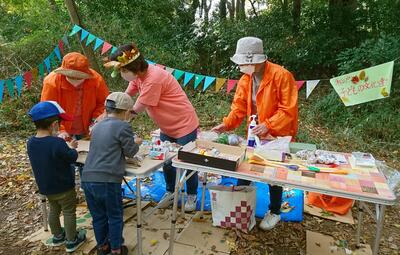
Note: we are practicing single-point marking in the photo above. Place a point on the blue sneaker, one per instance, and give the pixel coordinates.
(56, 240)
(71, 246)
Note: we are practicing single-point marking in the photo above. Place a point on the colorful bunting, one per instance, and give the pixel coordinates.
(1, 90)
(10, 87)
(169, 69)
(310, 86)
(187, 78)
(207, 82)
(90, 39)
(160, 66)
(150, 62)
(61, 46)
(178, 74)
(41, 70)
(219, 83)
(35, 73)
(57, 53)
(28, 79)
(97, 43)
(47, 64)
(84, 34)
(299, 84)
(231, 84)
(18, 82)
(65, 40)
(197, 80)
(114, 49)
(75, 30)
(106, 47)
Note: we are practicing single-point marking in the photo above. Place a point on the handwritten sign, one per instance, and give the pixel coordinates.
(365, 85)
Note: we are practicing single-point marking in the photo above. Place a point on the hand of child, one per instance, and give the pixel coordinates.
(138, 140)
(73, 144)
(64, 135)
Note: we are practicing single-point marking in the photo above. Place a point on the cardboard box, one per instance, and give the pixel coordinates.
(187, 154)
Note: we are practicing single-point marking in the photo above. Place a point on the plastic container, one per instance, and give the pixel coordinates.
(251, 140)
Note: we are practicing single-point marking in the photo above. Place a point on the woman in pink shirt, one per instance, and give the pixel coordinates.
(161, 96)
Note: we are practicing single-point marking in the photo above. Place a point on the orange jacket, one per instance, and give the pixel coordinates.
(276, 102)
(95, 92)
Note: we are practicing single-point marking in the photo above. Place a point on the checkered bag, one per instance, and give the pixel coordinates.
(233, 207)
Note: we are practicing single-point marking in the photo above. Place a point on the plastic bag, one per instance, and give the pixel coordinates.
(279, 144)
(392, 176)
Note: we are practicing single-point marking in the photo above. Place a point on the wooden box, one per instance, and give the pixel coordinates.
(236, 155)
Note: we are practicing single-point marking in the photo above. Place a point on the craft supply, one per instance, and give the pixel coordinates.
(363, 159)
(250, 136)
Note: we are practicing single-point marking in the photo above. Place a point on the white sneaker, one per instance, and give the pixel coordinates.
(269, 221)
(164, 202)
(191, 202)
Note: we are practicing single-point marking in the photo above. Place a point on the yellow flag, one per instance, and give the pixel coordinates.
(219, 84)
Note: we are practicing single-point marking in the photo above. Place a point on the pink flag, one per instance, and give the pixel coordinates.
(61, 46)
(230, 85)
(28, 79)
(299, 84)
(106, 47)
(160, 66)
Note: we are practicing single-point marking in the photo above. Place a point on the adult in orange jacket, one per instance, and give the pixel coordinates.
(79, 90)
(269, 91)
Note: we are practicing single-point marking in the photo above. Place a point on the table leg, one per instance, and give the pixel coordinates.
(182, 200)
(174, 209)
(380, 210)
(44, 212)
(203, 194)
(139, 217)
(359, 225)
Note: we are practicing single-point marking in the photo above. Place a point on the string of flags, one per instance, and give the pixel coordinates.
(353, 88)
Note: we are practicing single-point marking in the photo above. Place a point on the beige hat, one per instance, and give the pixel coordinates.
(75, 65)
(249, 50)
(119, 100)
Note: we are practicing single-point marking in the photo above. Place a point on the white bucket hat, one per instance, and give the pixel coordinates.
(249, 50)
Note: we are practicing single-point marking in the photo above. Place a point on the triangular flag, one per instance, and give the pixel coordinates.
(84, 34)
(57, 53)
(28, 79)
(161, 66)
(47, 64)
(10, 88)
(231, 84)
(61, 46)
(207, 82)
(18, 81)
(53, 62)
(114, 49)
(35, 73)
(106, 47)
(150, 62)
(41, 70)
(178, 74)
(98, 43)
(169, 69)
(1, 90)
(75, 30)
(219, 83)
(187, 78)
(299, 84)
(90, 39)
(65, 40)
(197, 80)
(310, 86)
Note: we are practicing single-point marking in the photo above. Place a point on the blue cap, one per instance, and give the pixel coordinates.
(48, 109)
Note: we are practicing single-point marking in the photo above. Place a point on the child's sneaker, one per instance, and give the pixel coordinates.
(71, 246)
(123, 251)
(56, 240)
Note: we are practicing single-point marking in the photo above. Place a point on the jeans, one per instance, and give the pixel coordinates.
(275, 196)
(170, 171)
(105, 204)
(66, 203)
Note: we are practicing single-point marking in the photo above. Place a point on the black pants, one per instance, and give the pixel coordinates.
(275, 196)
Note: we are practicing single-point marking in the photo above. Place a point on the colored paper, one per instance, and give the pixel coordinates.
(178, 74)
(57, 53)
(231, 84)
(114, 49)
(10, 87)
(84, 34)
(187, 78)
(1, 90)
(365, 85)
(310, 86)
(169, 69)
(41, 70)
(61, 46)
(18, 82)
(197, 80)
(28, 78)
(75, 30)
(90, 39)
(207, 82)
(106, 47)
(47, 64)
(161, 66)
(219, 83)
(299, 84)
(97, 43)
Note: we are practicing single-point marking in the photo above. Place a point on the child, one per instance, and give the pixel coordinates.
(51, 161)
(112, 140)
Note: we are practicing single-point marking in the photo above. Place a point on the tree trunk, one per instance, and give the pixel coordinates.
(296, 16)
(231, 8)
(222, 9)
(240, 12)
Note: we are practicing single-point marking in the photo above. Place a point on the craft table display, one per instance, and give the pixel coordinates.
(364, 184)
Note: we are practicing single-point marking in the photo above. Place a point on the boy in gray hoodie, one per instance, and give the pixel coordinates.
(112, 140)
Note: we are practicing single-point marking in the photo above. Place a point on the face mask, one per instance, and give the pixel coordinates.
(75, 82)
(247, 69)
(128, 75)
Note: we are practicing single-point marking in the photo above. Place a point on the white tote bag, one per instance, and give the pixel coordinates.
(233, 207)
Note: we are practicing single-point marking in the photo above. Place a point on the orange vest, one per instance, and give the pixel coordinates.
(276, 102)
(95, 92)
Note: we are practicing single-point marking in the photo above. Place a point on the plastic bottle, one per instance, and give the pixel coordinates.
(250, 137)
